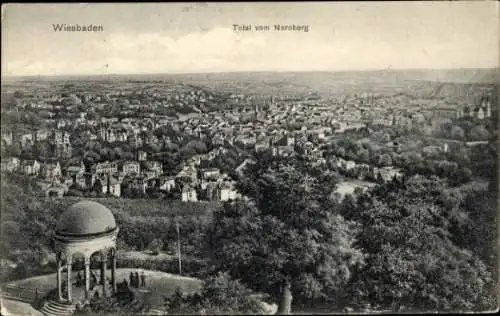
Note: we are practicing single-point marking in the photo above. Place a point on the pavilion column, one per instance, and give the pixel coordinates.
(68, 275)
(59, 281)
(103, 275)
(87, 278)
(113, 271)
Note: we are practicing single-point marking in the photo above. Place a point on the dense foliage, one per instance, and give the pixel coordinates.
(286, 239)
(416, 259)
(422, 242)
(29, 221)
(220, 295)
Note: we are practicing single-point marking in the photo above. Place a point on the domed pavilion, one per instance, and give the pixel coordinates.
(84, 229)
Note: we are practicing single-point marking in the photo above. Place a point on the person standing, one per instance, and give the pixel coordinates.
(131, 279)
(137, 279)
(93, 281)
(143, 279)
(78, 279)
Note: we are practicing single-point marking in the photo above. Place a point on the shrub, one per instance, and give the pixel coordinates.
(220, 295)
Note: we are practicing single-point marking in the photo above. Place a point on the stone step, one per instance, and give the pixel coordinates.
(54, 308)
(59, 308)
(49, 312)
(62, 304)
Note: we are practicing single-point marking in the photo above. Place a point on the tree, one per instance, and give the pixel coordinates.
(41, 150)
(33, 119)
(340, 151)
(284, 235)
(386, 138)
(479, 132)
(15, 149)
(385, 160)
(18, 94)
(91, 114)
(156, 246)
(479, 235)
(457, 132)
(219, 295)
(152, 148)
(97, 187)
(364, 156)
(413, 257)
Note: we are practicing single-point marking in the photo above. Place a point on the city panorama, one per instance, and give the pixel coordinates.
(172, 164)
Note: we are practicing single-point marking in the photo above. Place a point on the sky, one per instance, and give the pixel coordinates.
(141, 38)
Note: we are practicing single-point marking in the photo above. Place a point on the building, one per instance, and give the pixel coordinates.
(7, 138)
(260, 147)
(387, 173)
(26, 139)
(155, 167)
(481, 111)
(52, 171)
(104, 168)
(131, 167)
(187, 174)
(139, 183)
(10, 164)
(107, 134)
(85, 228)
(56, 190)
(189, 194)
(226, 192)
(142, 155)
(210, 174)
(30, 167)
(112, 186)
(60, 138)
(349, 165)
(76, 171)
(480, 114)
(445, 113)
(283, 151)
(167, 184)
(41, 135)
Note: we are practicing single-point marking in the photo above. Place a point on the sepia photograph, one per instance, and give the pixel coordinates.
(253, 158)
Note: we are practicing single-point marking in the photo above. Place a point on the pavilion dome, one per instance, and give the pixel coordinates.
(86, 218)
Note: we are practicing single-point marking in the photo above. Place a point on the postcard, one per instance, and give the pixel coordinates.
(249, 158)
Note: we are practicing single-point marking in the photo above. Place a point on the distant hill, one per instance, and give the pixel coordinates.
(324, 83)
(482, 76)
(486, 75)
(470, 75)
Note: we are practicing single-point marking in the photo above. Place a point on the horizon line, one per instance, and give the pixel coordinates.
(248, 71)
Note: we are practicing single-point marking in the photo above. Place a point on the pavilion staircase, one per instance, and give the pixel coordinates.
(54, 308)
